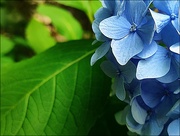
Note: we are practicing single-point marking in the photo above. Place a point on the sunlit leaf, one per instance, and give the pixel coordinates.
(38, 36)
(63, 21)
(88, 6)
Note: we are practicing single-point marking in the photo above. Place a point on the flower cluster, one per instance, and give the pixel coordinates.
(141, 41)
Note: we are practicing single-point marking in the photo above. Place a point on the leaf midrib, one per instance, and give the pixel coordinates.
(48, 78)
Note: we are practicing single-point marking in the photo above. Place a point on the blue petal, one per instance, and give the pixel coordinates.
(149, 50)
(151, 128)
(160, 20)
(152, 92)
(175, 48)
(138, 113)
(164, 107)
(128, 71)
(118, 87)
(173, 128)
(167, 6)
(101, 14)
(126, 48)
(135, 11)
(171, 76)
(109, 69)
(167, 38)
(115, 27)
(132, 125)
(98, 34)
(154, 67)
(146, 31)
(100, 52)
(110, 5)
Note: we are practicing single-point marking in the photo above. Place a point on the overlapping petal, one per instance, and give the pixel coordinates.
(152, 92)
(148, 50)
(160, 20)
(115, 27)
(156, 66)
(100, 52)
(126, 48)
(173, 128)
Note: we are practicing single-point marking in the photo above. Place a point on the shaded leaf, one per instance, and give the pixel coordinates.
(54, 93)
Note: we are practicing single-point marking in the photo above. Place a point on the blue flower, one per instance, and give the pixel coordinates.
(169, 14)
(120, 74)
(163, 65)
(128, 32)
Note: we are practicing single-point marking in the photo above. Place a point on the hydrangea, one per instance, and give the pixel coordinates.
(141, 42)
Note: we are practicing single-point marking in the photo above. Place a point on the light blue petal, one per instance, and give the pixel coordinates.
(109, 69)
(154, 67)
(160, 20)
(118, 87)
(151, 128)
(100, 52)
(99, 36)
(167, 6)
(132, 125)
(175, 110)
(146, 31)
(175, 48)
(171, 76)
(115, 27)
(148, 50)
(135, 11)
(126, 48)
(173, 128)
(138, 113)
(102, 13)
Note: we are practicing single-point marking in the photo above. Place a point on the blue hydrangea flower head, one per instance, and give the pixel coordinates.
(128, 32)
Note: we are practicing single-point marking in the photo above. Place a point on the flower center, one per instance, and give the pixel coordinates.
(133, 28)
(173, 16)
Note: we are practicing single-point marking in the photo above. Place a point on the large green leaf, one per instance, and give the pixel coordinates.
(54, 93)
(63, 21)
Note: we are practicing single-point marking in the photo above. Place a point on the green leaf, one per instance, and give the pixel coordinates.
(6, 44)
(63, 21)
(38, 36)
(54, 93)
(88, 6)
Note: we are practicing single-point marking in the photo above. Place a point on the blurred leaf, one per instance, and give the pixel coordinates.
(63, 21)
(55, 93)
(6, 44)
(38, 36)
(88, 6)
